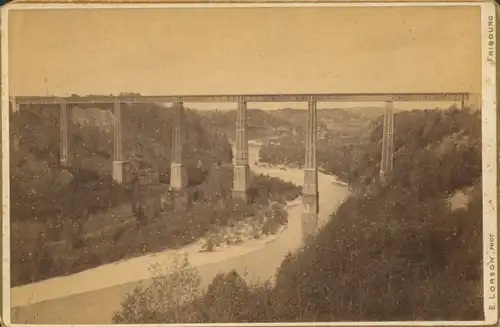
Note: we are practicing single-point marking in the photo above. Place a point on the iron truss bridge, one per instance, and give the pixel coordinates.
(319, 97)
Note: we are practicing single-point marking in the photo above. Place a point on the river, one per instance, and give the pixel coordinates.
(91, 297)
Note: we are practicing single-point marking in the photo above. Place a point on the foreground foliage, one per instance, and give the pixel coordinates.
(68, 221)
(172, 285)
(389, 253)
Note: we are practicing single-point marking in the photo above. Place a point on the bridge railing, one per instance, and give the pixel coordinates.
(320, 97)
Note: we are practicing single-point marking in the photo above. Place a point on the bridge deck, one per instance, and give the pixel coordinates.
(326, 97)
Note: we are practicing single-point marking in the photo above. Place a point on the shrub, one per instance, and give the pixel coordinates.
(172, 286)
(209, 245)
(271, 227)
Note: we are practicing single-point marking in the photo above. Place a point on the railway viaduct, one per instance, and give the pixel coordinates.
(178, 174)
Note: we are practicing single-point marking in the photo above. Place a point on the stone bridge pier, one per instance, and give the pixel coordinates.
(119, 162)
(65, 123)
(15, 134)
(241, 171)
(310, 198)
(14, 106)
(387, 161)
(473, 101)
(178, 172)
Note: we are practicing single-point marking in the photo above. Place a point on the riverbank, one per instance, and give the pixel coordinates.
(111, 282)
(137, 269)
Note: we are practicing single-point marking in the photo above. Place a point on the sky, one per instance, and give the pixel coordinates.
(175, 51)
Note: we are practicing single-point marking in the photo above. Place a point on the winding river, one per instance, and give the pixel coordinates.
(91, 297)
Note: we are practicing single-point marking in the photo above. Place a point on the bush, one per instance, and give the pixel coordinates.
(271, 189)
(228, 298)
(209, 245)
(271, 227)
(172, 286)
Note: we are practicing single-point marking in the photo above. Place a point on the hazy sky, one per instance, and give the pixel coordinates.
(245, 50)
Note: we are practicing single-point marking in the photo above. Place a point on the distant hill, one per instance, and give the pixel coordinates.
(341, 134)
(287, 121)
(328, 116)
(260, 123)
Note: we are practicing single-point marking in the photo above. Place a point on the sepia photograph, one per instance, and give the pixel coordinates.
(249, 163)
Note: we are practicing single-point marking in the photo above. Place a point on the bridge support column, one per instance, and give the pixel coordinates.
(14, 105)
(240, 169)
(118, 158)
(15, 134)
(64, 123)
(16, 142)
(472, 101)
(178, 172)
(387, 162)
(310, 190)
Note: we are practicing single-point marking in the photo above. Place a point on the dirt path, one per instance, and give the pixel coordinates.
(97, 304)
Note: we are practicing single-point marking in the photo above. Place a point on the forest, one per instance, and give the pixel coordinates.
(396, 251)
(67, 220)
(341, 137)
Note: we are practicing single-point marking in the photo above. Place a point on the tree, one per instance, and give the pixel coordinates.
(225, 298)
(171, 287)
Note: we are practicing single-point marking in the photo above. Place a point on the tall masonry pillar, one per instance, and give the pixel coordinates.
(178, 172)
(387, 162)
(15, 133)
(118, 157)
(310, 190)
(240, 168)
(64, 123)
(14, 105)
(473, 101)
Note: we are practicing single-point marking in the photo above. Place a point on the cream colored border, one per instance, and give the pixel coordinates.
(489, 162)
(215, 4)
(489, 149)
(5, 169)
